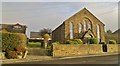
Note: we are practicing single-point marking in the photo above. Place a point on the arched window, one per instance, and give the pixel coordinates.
(98, 32)
(89, 25)
(80, 27)
(85, 25)
(71, 30)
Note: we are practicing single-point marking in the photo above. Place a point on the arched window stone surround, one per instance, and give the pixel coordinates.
(98, 32)
(80, 27)
(89, 24)
(85, 24)
(71, 30)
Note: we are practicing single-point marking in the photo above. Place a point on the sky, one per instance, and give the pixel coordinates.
(60, 0)
(39, 15)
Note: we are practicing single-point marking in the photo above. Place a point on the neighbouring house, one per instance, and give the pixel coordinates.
(14, 28)
(82, 25)
(116, 34)
(113, 36)
(36, 35)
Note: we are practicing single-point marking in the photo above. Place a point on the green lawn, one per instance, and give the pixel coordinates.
(34, 45)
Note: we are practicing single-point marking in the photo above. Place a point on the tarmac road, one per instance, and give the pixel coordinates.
(109, 59)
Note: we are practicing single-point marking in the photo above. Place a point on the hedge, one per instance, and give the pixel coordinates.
(11, 41)
(35, 40)
(11, 54)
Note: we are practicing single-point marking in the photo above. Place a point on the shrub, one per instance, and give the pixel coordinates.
(93, 41)
(69, 42)
(49, 47)
(111, 37)
(74, 41)
(20, 48)
(112, 42)
(11, 54)
(55, 43)
(27, 41)
(11, 40)
(79, 41)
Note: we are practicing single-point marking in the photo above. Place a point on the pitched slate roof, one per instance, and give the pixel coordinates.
(85, 9)
(5, 25)
(35, 35)
(12, 28)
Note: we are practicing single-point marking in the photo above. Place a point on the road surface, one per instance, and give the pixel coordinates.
(110, 59)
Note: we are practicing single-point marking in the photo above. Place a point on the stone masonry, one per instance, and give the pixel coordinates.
(62, 32)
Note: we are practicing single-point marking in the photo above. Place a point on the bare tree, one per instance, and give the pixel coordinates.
(109, 32)
(45, 33)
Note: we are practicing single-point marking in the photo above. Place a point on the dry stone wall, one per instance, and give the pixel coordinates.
(112, 48)
(62, 50)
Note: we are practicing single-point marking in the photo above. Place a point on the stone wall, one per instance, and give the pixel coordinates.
(112, 48)
(95, 48)
(59, 33)
(69, 50)
(38, 51)
(62, 50)
(62, 32)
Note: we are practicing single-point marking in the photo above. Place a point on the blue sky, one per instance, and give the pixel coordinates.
(38, 15)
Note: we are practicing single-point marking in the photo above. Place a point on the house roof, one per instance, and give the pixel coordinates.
(12, 25)
(35, 35)
(77, 13)
(85, 9)
(117, 32)
(93, 15)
